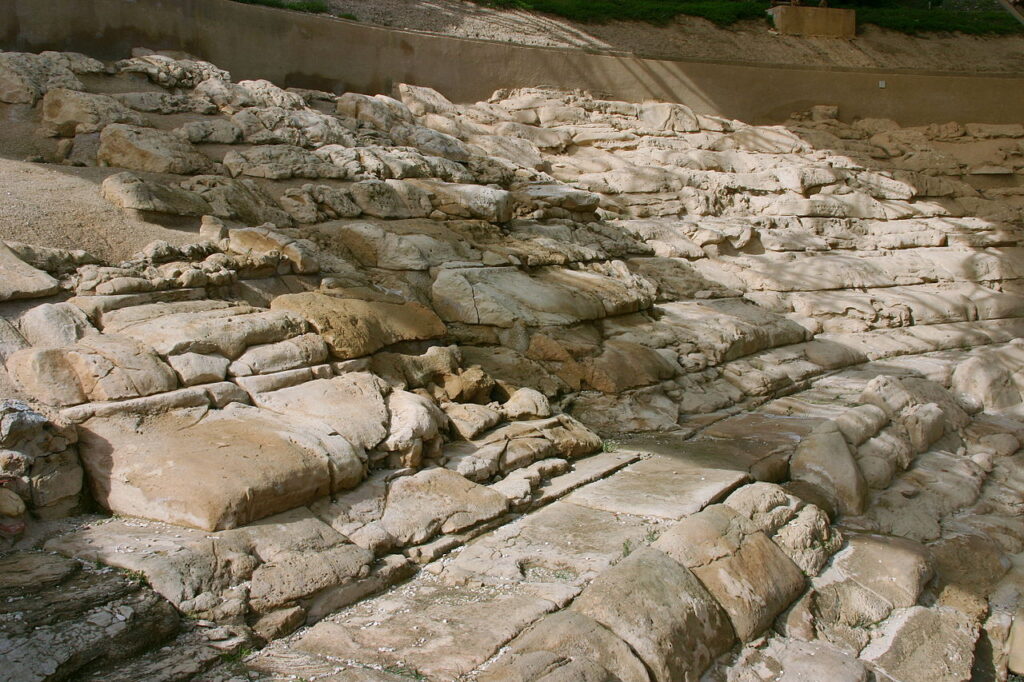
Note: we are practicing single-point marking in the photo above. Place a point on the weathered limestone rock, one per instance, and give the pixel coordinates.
(233, 96)
(39, 466)
(300, 351)
(470, 420)
(24, 78)
(129, 191)
(823, 459)
(469, 201)
(21, 280)
(421, 100)
(67, 113)
(279, 162)
(353, 327)
(674, 117)
(212, 327)
(661, 487)
(936, 643)
(380, 111)
(861, 423)
(501, 296)
(526, 403)
(264, 465)
(906, 567)
(416, 425)
(436, 629)
(746, 572)
(808, 540)
(197, 368)
(52, 325)
(430, 142)
(173, 73)
(101, 617)
(753, 585)
(146, 149)
(437, 500)
(216, 131)
(812, 299)
(567, 636)
(164, 103)
(242, 200)
(292, 575)
(317, 203)
(262, 240)
(303, 128)
(391, 199)
(353, 404)
(98, 367)
(791, 659)
(662, 612)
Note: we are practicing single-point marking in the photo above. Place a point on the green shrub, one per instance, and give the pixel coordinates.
(938, 20)
(299, 5)
(906, 16)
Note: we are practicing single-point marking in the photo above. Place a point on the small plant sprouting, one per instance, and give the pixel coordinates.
(609, 445)
(237, 656)
(627, 547)
(136, 576)
(401, 671)
(652, 535)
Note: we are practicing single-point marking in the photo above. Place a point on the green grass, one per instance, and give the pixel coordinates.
(299, 5)
(922, 20)
(402, 671)
(906, 16)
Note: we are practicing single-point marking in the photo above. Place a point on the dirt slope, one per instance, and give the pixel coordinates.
(695, 38)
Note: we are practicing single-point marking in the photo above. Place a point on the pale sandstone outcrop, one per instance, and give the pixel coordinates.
(146, 149)
(827, 310)
(297, 464)
(353, 327)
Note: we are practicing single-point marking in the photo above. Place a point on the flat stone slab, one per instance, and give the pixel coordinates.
(924, 644)
(792, 659)
(584, 471)
(21, 280)
(213, 469)
(440, 631)
(280, 663)
(773, 429)
(736, 448)
(563, 542)
(662, 487)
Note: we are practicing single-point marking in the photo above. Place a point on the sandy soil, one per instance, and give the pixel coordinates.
(61, 207)
(694, 38)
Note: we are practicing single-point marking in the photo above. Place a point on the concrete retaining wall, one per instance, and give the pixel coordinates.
(826, 22)
(294, 49)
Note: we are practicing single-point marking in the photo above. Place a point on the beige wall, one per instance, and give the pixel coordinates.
(827, 22)
(294, 49)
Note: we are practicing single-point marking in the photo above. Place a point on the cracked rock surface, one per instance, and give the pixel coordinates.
(545, 387)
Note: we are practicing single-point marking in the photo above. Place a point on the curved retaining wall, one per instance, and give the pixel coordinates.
(302, 50)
